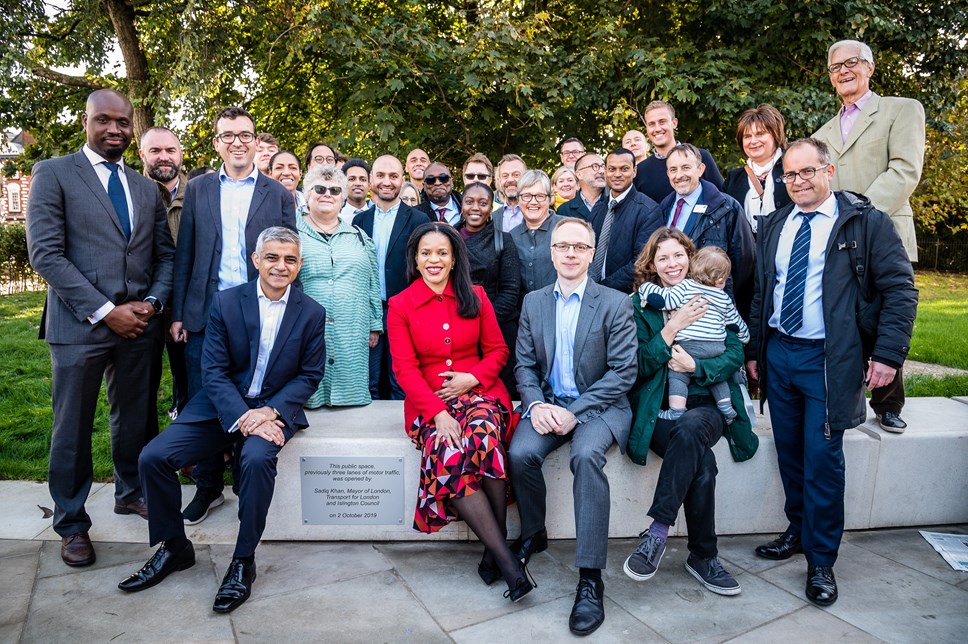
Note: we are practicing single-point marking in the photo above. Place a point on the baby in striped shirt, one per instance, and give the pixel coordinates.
(706, 337)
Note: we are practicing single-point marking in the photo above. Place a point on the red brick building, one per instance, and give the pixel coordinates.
(13, 190)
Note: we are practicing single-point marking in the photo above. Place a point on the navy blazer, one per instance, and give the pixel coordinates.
(575, 208)
(231, 348)
(636, 218)
(199, 248)
(395, 267)
(737, 185)
(427, 207)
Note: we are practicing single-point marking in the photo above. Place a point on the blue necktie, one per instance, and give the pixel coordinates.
(118, 198)
(791, 309)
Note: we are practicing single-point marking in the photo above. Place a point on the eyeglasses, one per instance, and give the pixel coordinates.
(850, 63)
(530, 198)
(432, 180)
(321, 189)
(562, 247)
(321, 159)
(595, 167)
(572, 153)
(471, 176)
(806, 174)
(229, 137)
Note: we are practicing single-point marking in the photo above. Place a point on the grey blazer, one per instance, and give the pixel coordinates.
(75, 242)
(604, 355)
(200, 241)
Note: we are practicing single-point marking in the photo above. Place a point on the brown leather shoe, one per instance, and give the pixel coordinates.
(77, 550)
(135, 507)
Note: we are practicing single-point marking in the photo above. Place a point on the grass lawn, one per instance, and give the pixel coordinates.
(940, 337)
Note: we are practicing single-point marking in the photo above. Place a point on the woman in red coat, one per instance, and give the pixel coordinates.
(447, 352)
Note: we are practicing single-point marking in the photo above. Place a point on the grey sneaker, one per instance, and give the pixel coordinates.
(199, 507)
(643, 563)
(712, 575)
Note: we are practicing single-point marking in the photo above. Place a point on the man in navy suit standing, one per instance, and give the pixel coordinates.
(263, 357)
(389, 223)
(97, 232)
(222, 215)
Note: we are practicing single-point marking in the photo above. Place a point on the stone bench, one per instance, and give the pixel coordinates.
(916, 478)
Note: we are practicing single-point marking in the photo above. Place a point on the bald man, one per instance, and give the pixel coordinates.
(389, 223)
(97, 231)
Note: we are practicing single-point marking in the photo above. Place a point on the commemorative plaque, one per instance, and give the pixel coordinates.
(352, 490)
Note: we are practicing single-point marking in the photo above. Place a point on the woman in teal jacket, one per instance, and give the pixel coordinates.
(687, 477)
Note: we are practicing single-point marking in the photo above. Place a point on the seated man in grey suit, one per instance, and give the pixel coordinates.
(576, 362)
(263, 357)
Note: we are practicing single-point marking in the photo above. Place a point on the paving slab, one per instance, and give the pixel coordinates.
(21, 513)
(662, 602)
(739, 550)
(548, 622)
(17, 577)
(908, 547)
(130, 556)
(85, 605)
(291, 567)
(17, 547)
(886, 599)
(374, 608)
(821, 626)
(449, 570)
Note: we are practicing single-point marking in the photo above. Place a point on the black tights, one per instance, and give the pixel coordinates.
(486, 515)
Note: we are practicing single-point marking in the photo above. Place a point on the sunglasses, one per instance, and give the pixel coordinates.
(333, 190)
(432, 180)
(471, 176)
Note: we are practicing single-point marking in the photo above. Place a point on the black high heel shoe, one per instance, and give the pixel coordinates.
(524, 585)
(487, 570)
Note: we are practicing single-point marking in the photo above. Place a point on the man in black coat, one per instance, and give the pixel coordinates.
(443, 203)
(389, 223)
(590, 171)
(834, 310)
(623, 222)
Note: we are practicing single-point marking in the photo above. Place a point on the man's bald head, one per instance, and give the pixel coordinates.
(108, 120)
(386, 180)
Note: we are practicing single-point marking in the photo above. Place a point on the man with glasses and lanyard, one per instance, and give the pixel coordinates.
(877, 145)
(222, 216)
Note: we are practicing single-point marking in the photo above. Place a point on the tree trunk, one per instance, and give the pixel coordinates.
(140, 89)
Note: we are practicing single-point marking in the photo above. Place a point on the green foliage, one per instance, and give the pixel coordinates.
(16, 273)
(496, 76)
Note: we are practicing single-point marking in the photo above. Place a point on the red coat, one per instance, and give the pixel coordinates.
(427, 337)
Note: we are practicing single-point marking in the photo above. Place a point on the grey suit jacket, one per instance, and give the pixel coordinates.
(882, 158)
(76, 244)
(200, 241)
(604, 355)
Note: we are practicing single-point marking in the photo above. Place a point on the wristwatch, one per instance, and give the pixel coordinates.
(158, 306)
(276, 411)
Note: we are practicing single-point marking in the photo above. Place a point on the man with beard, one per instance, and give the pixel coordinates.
(509, 171)
(97, 232)
(161, 152)
(590, 170)
(443, 202)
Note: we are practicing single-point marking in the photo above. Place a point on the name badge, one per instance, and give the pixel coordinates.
(700, 208)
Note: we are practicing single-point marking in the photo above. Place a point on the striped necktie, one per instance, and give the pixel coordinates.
(598, 262)
(791, 308)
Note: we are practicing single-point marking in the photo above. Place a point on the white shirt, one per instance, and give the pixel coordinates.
(820, 228)
(235, 199)
(270, 316)
(104, 174)
(755, 205)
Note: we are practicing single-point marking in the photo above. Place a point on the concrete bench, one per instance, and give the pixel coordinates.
(916, 478)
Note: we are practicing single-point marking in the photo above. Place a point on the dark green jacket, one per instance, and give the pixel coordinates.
(649, 391)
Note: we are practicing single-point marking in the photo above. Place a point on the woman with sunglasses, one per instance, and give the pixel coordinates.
(447, 353)
(340, 272)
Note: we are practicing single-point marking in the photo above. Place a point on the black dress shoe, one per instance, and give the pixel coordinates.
(891, 422)
(588, 613)
(523, 549)
(821, 585)
(524, 585)
(162, 563)
(488, 571)
(783, 547)
(236, 586)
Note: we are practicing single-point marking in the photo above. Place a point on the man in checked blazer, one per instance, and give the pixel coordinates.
(97, 232)
(576, 361)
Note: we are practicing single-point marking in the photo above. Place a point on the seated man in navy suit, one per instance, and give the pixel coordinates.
(263, 357)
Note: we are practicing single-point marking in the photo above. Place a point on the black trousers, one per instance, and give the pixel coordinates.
(889, 398)
(687, 478)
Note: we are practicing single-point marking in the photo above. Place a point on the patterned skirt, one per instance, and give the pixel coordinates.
(447, 473)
